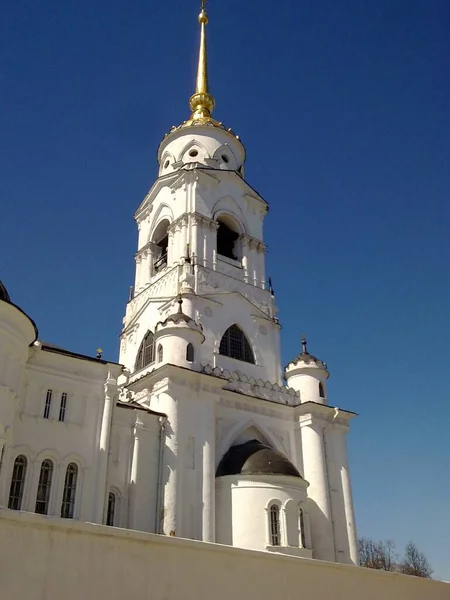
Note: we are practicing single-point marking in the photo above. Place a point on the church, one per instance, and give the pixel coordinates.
(197, 432)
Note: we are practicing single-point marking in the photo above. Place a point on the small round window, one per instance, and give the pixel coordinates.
(225, 158)
(166, 164)
(193, 153)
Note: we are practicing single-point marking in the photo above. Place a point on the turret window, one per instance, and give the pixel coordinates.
(17, 483)
(235, 344)
(274, 525)
(321, 390)
(146, 354)
(190, 353)
(160, 353)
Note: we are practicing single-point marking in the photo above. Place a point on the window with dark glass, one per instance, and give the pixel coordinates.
(226, 239)
(321, 390)
(190, 353)
(111, 509)
(70, 488)
(235, 344)
(17, 483)
(160, 353)
(302, 527)
(146, 354)
(63, 407)
(43, 492)
(48, 404)
(274, 524)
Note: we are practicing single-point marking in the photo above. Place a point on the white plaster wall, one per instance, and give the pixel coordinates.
(79, 560)
(133, 468)
(76, 439)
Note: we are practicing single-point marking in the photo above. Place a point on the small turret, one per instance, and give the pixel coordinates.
(307, 375)
(178, 339)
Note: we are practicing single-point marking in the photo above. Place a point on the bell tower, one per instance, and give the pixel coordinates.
(201, 236)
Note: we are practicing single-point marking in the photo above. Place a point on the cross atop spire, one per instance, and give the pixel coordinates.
(304, 349)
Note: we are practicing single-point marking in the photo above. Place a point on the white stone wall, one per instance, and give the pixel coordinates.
(56, 559)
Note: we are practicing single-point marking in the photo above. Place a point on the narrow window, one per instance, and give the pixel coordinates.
(45, 482)
(275, 533)
(146, 353)
(48, 404)
(111, 509)
(63, 407)
(160, 353)
(302, 527)
(321, 391)
(190, 353)
(17, 483)
(70, 488)
(235, 344)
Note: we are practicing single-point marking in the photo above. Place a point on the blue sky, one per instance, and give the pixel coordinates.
(344, 110)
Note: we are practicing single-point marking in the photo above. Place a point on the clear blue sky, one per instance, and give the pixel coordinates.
(344, 110)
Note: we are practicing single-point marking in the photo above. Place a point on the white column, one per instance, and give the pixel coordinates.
(172, 478)
(102, 462)
(132, 492)
(253, 253)
(334, 464)
(194, 237)
(341, 446)
(137, 281)
(208, 483)
(261, 249)
(315, 472)
(170, 248)
(245, 256)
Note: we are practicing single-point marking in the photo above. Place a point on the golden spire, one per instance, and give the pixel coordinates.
(202, 103)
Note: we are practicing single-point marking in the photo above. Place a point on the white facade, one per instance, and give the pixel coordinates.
(138, 444)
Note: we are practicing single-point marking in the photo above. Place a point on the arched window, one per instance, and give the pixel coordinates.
(17, 483)
(146, 354)
(321, 390)
(43, 492)
(160, 353)
(274, 525)
(235, 344)
(111, 509)
(190, 353)
(70, 488)
(226, 241)
(301, 523)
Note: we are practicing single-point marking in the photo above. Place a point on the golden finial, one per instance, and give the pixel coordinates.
(202, 103)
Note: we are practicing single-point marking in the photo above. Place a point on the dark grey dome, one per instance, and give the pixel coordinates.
(255, 458)
(4, 293)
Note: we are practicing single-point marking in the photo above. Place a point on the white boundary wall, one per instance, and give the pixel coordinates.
(45, 558)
